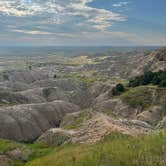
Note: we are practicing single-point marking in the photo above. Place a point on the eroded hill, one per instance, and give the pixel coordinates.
(69, 100)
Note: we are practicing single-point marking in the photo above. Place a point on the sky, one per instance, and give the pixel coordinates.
(83, 22)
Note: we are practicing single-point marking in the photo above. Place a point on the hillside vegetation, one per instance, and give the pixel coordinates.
(155, 78)
(115, 150)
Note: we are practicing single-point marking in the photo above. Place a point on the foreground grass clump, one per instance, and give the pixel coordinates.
(37, 150)
(115, 150)
(6, 145)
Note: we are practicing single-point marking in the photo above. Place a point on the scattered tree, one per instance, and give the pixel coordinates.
(162, 83)
(149, 77)
(55, 76)
(119, 88)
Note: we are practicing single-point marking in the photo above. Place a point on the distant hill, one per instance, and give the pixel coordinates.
(152, 61)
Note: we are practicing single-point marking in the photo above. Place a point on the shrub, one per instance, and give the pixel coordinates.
(55, 76)
(162, 83)
(46, 92)
(119, 88)
(6, 77)
(149, 77)
(156, 80)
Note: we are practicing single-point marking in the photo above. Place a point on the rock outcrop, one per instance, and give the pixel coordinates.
(19, 154)
(154, 61)
(151, 116)
(56, 136)
(100, 125)
(24, 76)
(27, 122)
(5, 161)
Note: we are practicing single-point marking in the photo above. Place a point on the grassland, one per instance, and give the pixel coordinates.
(37, 149)
(139, 96)
(115, 150)
(145, 97)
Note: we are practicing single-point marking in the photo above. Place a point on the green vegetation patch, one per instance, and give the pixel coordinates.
(115, 150)
(6, 145)
(138, 97)
(81, 60)
(76, 122)
(37, 149)
(80, 77)
(155, 78)
(118, 89)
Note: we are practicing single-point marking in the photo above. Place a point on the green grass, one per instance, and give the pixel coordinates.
(6, 145)
(115, 150)
(83, 116)
(80, 77)
(117, 80)
(37, 149)
(81, 60)
(144, 97)
(138, 97)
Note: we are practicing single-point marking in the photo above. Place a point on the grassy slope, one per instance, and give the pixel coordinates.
(139, 96)
(115, 150)
(76, 122)
(144, 96)
(37, 149)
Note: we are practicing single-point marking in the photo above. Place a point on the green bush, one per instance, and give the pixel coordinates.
(149, 77)
(118, 89)
(162, 83)
(156, 80)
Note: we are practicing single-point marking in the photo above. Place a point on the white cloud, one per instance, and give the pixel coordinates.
(32, 32)
(120, 4)
(71, 13)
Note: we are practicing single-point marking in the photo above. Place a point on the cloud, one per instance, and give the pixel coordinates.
(32, 32)
(59, 15)
(120, 4)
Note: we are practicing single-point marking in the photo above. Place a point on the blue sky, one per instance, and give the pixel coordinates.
(83, 22)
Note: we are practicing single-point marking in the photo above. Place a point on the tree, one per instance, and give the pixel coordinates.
(147, 78)
(55, 76)
(162, 83)
(119, 88)
(156, 80)
(6, 77)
